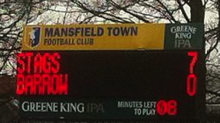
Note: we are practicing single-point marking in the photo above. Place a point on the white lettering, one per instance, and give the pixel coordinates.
(180, 29)
(39, 106)
(72, 107)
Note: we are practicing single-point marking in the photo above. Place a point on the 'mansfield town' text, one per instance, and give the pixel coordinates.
(84, 35)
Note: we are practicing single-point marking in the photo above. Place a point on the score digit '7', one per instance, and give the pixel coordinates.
(191, 85)
(170, 107)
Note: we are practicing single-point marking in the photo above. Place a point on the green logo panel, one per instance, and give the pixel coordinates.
(183, 36)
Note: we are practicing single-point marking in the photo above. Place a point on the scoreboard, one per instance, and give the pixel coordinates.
(112, 73)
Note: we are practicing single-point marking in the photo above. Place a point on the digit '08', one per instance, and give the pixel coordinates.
(167, 107)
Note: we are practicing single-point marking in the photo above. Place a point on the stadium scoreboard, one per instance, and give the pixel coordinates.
(126, 72)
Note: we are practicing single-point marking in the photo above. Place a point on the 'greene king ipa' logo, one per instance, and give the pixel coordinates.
(33, 38)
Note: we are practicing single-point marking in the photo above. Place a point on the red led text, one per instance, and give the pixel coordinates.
(191, 82)
(167, 107)
(38, 74)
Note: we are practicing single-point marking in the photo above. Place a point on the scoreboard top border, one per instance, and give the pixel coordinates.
(113, 37)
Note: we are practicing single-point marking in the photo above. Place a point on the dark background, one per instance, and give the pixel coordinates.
(133, 75)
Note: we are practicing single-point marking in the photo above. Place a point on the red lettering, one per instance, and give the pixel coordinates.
(191, 84)
(38, 63)
(162, 107)
(63, 89)
(21, 64)
(29, 56)
(172, 107)
(37, 84)
(46, 84)
(54, 58)
(167, 107)
(55, 83)
(44, 80)
(46, 63)
(29, 85)
(194, 56)
(20, 84)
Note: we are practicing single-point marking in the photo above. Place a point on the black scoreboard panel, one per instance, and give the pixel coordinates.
(148, 85)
